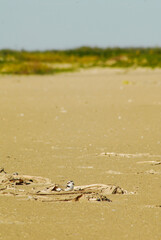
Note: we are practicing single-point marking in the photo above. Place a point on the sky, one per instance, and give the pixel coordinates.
(64, 24)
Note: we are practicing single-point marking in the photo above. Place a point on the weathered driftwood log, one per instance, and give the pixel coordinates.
(41, 189)
(22, 179)
(102, 188)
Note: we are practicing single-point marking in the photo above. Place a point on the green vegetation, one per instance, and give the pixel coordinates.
(55, 61)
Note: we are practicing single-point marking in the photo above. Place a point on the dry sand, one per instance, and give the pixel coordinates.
(96, 126)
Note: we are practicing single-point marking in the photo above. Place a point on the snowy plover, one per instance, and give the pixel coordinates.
(70, 186)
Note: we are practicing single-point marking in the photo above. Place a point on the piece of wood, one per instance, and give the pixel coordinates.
(42, 189)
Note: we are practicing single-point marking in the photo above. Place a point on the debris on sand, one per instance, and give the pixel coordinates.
(128, 155)
(42, 189)
(150, 162)
(2, 170)
(153, 206)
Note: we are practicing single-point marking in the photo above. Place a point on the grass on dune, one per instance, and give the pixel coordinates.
(55, 61)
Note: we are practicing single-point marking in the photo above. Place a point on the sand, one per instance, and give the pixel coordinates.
(94, 126)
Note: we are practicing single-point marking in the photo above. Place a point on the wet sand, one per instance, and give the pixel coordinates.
(96, 126)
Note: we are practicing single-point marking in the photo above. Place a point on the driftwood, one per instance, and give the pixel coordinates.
(41, 189)
(129, 155)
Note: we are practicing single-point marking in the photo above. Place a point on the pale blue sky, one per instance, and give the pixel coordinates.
(61, 24)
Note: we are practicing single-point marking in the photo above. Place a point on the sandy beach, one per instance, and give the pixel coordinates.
(93, 126)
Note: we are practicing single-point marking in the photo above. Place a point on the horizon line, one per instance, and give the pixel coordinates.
(79, 47)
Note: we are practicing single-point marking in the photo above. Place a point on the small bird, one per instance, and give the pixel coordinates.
(70, 186)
